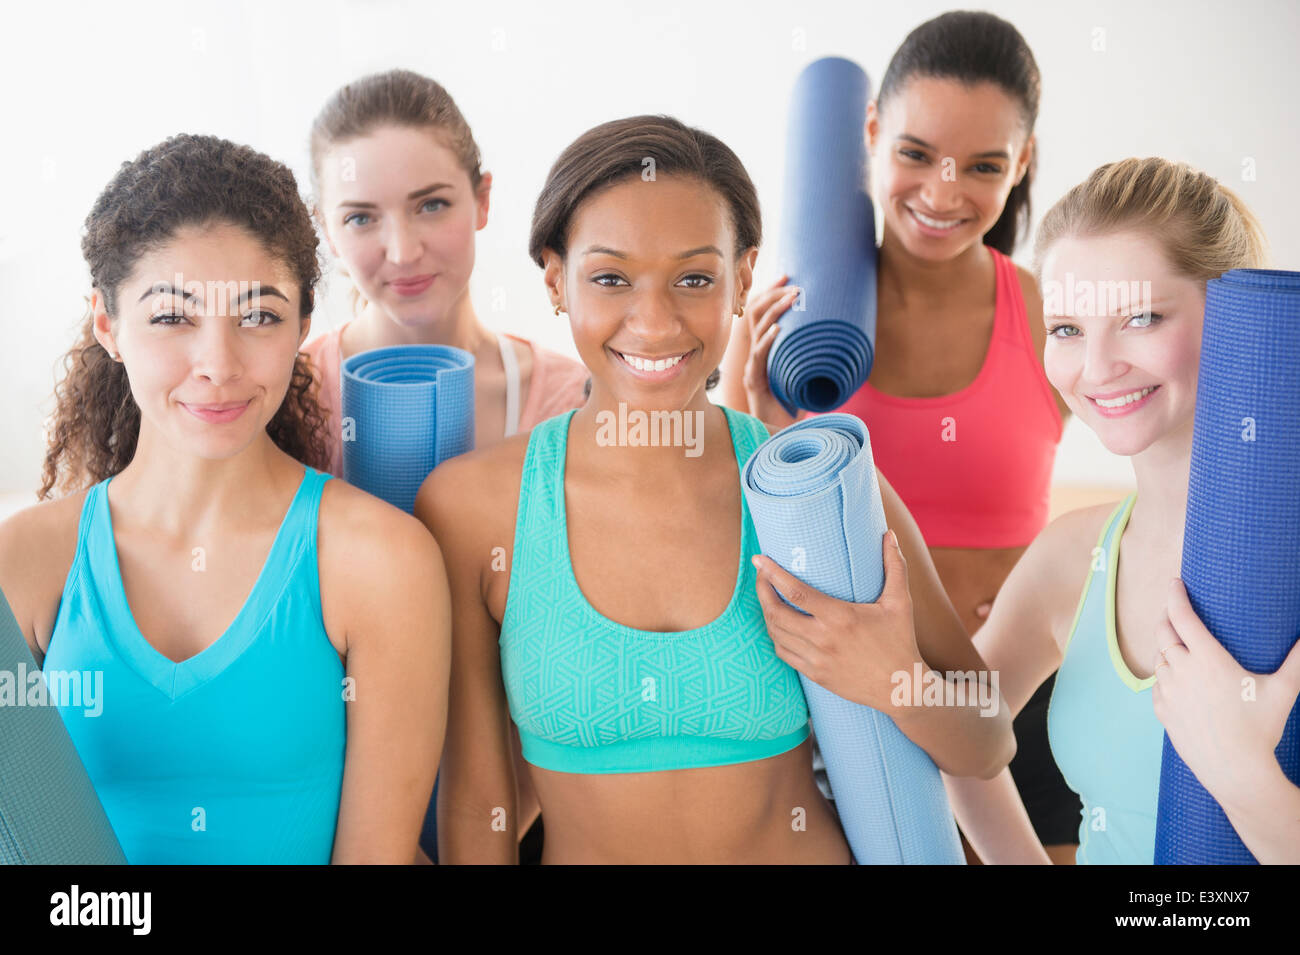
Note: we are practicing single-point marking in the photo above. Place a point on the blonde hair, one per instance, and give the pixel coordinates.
(1204, 227)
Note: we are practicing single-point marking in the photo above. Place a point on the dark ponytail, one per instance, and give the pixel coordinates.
(975, 47)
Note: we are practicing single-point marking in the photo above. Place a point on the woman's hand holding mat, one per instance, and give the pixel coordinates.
(763, 313)
(852, 649)
(1224, 722)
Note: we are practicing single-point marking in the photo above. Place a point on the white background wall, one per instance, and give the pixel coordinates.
(86, 86)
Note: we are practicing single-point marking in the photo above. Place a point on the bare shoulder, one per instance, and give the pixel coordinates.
(470, 503)
(37, 548)
(1028, 286)
(474, 490)
(1033, 299)
(1061, 557)
(357, 531)
(366, 548)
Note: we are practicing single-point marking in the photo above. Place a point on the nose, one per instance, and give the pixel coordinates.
(1102, 361)
(939, 193)
(402, 244)
(653, 316)
(216, 357)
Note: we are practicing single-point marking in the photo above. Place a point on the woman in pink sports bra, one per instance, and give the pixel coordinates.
(962, 418)
(399, 197)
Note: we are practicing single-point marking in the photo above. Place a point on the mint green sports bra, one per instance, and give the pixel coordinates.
(593, 696)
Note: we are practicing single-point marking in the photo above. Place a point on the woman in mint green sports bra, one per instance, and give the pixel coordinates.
(268, 648)
(603, 589)
(1095, 594)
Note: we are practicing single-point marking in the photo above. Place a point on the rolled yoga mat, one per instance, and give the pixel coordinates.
(823, 353)
(411, 407)
(49, 813)
(815, 502)
(1241, 546)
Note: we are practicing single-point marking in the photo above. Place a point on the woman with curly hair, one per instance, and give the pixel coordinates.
(273, 679)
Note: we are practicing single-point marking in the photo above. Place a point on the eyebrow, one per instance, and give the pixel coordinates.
(1157, 305)
(256, 289)
(989, 154)
(701, 250)
(427, 190)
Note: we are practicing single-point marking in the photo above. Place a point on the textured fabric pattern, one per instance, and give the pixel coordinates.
(1104, 733)
(590, 695)
(233, 756)
(936, 451)
(827, 242)
(413, 407)
(815, 501)
(1241, 546)
(49, 813)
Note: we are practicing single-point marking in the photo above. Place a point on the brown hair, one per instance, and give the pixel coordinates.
(394, 98)
(618, 150)
(976, 47)
(1204, 227)
(185, 180)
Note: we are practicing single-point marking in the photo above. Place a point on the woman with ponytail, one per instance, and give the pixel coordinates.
(963, 421)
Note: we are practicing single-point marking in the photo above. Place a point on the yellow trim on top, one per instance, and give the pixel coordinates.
(1087, 581)
(1112, 636)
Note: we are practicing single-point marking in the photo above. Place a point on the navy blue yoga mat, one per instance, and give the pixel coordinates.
(815, 502)
(411, 408)
(1241, 547)
(827, 247)
(49, 813)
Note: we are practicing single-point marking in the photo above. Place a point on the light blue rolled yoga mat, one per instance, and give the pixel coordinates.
(1241, 545)
(411, 407)
(49, 813)
(815, 502)
(827, 244)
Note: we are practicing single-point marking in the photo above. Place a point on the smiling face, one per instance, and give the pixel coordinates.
(399, 210)
(208, 328)
(651, 282)
(945, 156)
(1126, 366)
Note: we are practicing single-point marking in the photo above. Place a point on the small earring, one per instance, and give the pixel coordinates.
(557, 310)
(741, 313)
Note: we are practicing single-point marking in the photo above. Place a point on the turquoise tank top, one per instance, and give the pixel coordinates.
(590, 695)
(1101, 724)
(232, 756)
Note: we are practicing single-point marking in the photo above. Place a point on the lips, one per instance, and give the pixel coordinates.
(928, 224)
(218, 413)
(225, 406)
(1116, 404)
(644, 366)
(412, 286)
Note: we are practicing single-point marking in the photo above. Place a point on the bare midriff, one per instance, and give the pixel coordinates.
(767, 811)
(973, 576)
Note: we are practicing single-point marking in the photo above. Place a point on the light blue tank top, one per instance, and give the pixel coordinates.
(232, 756)
(590, 695)
(1101, 725)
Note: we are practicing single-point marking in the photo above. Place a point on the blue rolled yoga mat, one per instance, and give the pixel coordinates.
(412, 407)
(823, 353)
(49, 813)
(815, 502)
(1241, 546)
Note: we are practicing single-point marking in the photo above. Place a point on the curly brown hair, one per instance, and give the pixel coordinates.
(183, 181)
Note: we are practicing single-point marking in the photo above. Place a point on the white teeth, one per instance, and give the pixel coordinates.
(1124, 399)
(642, 364)
(935, 223)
